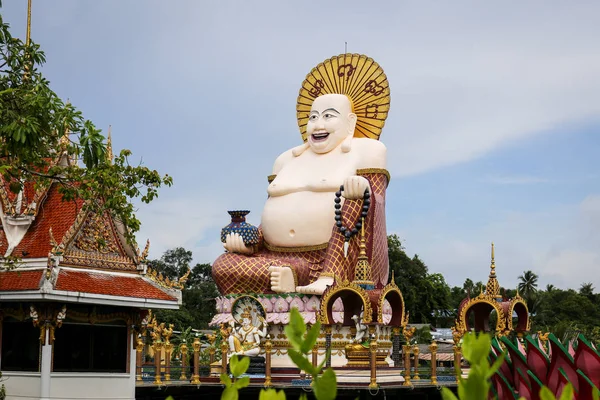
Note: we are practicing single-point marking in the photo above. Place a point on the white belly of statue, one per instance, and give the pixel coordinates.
(298, 219)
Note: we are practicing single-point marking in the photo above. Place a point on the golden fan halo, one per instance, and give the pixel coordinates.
(358, 77)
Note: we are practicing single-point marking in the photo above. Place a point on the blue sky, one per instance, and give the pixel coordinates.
(492, 133)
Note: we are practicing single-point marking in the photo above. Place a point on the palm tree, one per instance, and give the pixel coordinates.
(550, 287)
(469, 287)
(587, 289)
(528, 283)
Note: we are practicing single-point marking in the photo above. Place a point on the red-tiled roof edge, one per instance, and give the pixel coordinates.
(86, 281)
(18, 280)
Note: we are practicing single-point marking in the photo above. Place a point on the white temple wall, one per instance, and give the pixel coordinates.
(21, 385)
(90, 386)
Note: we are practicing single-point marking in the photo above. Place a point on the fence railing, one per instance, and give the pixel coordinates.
(185, 367)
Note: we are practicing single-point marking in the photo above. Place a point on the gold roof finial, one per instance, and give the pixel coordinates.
(28, 40)
(64, 140)
(493, 287)
(362, 275)
(109, 150)
(28, 35)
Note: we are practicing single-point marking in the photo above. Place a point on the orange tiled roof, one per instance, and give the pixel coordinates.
(53, 213)
(20, 280)
(107, 284)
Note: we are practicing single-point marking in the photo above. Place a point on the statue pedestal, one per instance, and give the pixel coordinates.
(278, 308)
(360, 357)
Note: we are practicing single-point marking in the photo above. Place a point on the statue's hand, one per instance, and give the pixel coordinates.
(355, 186)
(235, 244)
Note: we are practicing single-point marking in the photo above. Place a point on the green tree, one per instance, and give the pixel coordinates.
(528, 284)
(469, 287)
(564, 311)
(426, 296)
(587, 290)
(457, 295)
(198, 295)
(37, 128)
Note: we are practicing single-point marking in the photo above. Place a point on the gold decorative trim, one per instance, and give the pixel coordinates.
(271, 178)
(327, 275)
(390, 287)
(7, 206)
(336, 288)
(358, 77)
(39, 195)
(461, 323)
(157, 277)
(262, 311)
(364, 171)
(335, 344)
(78, 258)
(511, 308)
(72, 231)
(92, 317)
(295, 249)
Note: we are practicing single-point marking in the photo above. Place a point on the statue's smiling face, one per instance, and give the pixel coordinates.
(330, 121)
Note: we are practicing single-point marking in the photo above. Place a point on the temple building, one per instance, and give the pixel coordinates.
(73, 295)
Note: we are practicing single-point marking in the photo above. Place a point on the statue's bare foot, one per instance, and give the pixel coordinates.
(317, 287)
(282, 279)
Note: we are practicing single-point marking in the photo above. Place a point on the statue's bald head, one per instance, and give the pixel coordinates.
(330, 121)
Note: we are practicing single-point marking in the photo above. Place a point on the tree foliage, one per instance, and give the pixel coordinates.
(37, 129)
(426, 296)
(198, 295)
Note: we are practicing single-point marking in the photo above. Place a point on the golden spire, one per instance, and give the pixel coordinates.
(27, 40)
(493, 263)
(493, 287)
(109, 151)
(64, 140)
(362, 274)
(28, 36)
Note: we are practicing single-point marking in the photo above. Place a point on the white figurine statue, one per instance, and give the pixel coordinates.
(245, 337)
(361, 329)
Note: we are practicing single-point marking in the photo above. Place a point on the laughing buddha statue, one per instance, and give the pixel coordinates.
(309, 222)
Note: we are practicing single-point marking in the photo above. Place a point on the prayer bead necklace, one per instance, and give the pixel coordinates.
(347, 232)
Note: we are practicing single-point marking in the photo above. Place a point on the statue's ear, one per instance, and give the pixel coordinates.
(352, 118)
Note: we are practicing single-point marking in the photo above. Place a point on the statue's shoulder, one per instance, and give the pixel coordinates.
(372, 152)
(282, 160)
(369, 145)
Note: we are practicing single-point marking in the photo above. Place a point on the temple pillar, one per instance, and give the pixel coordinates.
(406, 352)
(373, 348)
(224, 349)
(168, 349)
(433, 348)
(328, 345)
(212, 350)
(396, 347)
(416, 353)
(268, 349)
(196, 375)
(184, 363)
(46, 361)
(157, 347)
(139, 348)
(457, 358)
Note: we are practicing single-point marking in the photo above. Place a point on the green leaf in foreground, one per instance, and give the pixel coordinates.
(325, 386)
